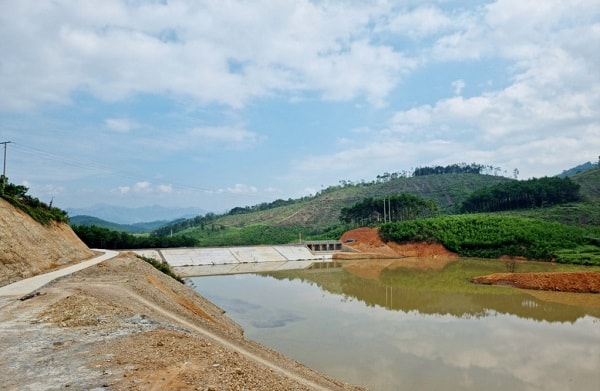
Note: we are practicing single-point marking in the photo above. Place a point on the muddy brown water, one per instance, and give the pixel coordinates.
(418, 329)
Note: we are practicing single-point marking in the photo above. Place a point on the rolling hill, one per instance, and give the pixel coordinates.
(128, 228)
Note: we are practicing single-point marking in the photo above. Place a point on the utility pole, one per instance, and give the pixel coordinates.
(4, 166)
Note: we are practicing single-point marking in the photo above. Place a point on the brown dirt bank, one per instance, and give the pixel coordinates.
(366, 242)
(578, 282)
(122, 325)
(28, 248)
(367, 245)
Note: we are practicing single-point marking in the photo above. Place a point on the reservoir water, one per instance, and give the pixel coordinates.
(397, 328)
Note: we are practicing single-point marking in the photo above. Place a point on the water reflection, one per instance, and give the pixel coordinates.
(444, 292)
(416, 329)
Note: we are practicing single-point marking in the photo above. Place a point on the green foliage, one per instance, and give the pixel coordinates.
(162, 267)
(322, 211)
(461, 168)
(39, 211)
(136, 228)
(318, 214)
(533, 193)
(582, 255)
(584, 214)
(262, 234)
(491, 236)
(262, 206)
(97, 237)
(394, 208)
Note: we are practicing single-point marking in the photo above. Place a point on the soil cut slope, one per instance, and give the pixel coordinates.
(28, 248)
(368, 245)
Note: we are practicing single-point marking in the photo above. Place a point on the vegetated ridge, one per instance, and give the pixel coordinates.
(135, 228)
(318, 217)
(320, 213)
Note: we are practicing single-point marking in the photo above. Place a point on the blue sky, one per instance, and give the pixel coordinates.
(217, 104)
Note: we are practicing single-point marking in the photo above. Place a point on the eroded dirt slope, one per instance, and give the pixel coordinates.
(28, 248)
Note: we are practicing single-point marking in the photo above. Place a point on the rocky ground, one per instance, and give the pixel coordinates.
(121, 325)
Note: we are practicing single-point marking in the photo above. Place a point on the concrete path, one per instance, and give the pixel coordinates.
(29, 285)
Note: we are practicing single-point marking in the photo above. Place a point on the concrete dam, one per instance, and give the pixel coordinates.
(202, 261)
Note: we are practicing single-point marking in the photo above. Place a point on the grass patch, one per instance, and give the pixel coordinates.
(162, 267)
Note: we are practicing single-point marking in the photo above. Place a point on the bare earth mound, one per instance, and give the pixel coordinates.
(122, 325)
(28, 248)
(578, 282)
(368, 245)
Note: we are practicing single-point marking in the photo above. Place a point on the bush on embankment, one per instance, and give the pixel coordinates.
(493, 236)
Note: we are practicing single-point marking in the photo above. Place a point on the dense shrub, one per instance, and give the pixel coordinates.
(162, 267)
(492, 236)
(97, 237)
(532, 193)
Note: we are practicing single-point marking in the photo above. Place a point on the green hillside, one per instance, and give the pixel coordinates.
(584, 213)
(90, 221)
(318, 217)
(323, 210)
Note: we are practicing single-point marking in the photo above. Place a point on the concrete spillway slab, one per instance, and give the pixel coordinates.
(200, 261)
(258, 267)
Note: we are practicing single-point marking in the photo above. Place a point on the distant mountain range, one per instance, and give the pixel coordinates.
(143, 214)
(128, 228)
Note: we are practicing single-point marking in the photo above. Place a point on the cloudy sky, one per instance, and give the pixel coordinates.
(216, 104)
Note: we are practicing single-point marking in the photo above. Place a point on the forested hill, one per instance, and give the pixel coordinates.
(323, 210)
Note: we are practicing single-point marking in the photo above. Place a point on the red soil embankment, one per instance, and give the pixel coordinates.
(367, 243)
(578, 282)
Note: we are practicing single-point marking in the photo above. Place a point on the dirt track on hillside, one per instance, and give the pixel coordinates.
(121, 325)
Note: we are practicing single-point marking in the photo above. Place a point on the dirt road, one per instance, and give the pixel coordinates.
(121, 325)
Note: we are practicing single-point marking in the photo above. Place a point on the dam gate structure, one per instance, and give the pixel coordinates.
(324, 245)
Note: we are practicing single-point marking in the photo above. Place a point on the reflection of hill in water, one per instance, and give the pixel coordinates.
(438, 293)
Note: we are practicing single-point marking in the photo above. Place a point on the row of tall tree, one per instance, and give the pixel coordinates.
(395, 208)
(532, 193)
(262, 206)
(97, 237)
(460, 168)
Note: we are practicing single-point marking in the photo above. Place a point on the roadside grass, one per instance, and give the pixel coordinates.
(162, 267)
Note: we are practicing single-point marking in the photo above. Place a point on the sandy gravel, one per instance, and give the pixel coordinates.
(121, 325)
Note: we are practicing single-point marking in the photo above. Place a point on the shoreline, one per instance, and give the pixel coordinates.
(123, 325)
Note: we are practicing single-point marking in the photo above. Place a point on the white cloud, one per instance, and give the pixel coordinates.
(420, 22)
(239, 189)
(205, 51)
(165, 188)
(121, 125)
(143, 186)
(458, 86)
(227, 136)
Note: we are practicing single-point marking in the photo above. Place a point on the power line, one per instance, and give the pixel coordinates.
(95, 166)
